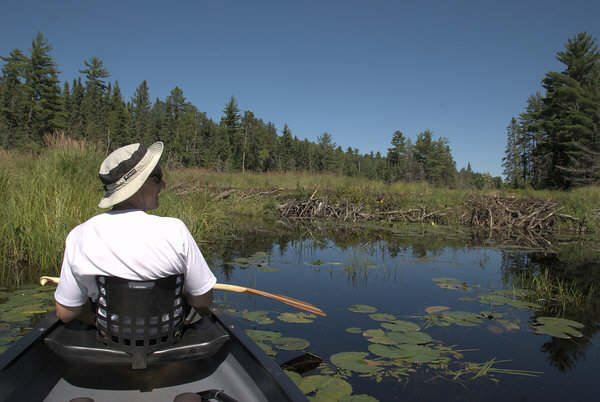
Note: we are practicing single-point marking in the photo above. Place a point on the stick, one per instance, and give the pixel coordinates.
(299, 304)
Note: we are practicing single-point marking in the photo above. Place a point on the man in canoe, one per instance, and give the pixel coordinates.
(128, 243)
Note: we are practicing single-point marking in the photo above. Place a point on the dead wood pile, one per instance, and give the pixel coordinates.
(496, 213)
(321, 207)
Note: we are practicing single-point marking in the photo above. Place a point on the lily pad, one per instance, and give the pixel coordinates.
(359, 398)
(356, 362)
(297, 318)
(289, 343)
(319, 262)
(463, 318)
(450, 283)
(239, 262)
(268, 269)
(383, 340)
(417, 353)
(436, 309)
(369, 333)
(354, 330)
(510, 325)
(557, 327)
(267, 349)
(295, 377)
(386, 351)
(259, 317)
(258, 335)
(414, 337)
(382, 317)
(401, 326)
(495, 299)
(362, 308)
(327, 388)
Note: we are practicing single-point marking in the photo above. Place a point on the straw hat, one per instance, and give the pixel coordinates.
(125, 170)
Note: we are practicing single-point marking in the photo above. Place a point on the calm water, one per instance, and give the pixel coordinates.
(398, 279)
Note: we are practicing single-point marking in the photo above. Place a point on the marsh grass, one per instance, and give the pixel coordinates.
(43, 196)
(556, 293)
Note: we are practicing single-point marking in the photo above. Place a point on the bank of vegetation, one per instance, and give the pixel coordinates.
(43, 196)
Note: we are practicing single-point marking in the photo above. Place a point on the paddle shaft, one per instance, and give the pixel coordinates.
(299, 304)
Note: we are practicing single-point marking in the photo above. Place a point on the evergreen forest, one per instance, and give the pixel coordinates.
(553, 143)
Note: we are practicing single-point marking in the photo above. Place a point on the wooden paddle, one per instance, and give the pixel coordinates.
(299, 304)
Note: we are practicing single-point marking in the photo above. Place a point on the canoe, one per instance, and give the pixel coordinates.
(58, 362)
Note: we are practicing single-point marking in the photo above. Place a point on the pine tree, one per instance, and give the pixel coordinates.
(231, 122)
(571, 112)
(42, 91)
(140, 113)
(286, 150)
(94, 104)
(12, 100)
(118, 120)
(512, 160)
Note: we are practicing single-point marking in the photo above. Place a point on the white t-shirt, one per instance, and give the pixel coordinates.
(132, 245)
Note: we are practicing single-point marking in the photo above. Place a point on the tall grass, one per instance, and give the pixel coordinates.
(41, 200)
(558, 294)
(42, 197)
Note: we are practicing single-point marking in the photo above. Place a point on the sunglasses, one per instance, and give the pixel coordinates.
(156, 175)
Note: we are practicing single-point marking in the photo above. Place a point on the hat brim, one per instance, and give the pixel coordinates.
(148, 163)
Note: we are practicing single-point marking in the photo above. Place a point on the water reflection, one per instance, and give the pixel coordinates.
(394, 273)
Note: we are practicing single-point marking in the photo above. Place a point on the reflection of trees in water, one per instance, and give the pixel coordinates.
(576, 265)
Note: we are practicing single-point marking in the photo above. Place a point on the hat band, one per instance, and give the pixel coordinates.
(124, 168)
(112, 187)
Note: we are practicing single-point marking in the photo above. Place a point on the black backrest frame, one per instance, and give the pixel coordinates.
(140, 317)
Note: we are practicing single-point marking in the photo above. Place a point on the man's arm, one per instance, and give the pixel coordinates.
(201, 303)
(83, 313)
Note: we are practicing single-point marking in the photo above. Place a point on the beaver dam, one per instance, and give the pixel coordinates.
(525, 221)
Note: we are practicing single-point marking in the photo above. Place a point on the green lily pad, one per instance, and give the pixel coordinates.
(510, 325)
(327, 388)
(463, 318)
(557, 327)
(297, 318)
(268, 269)
(494, 299)
(401, 326)
(369, 333)
(417, 353)
(267, 349)
(382, 317)
(356, 362)
(295, 377)
(390, 352)
(415, 337)
(354, 330)
(436, 309)
(258, 335)
(359, 398)
(319, 262)
(362, 308)
(289, 343)
(259, 317)
(382, 340)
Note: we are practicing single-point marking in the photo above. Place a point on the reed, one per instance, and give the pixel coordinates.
(556, 293)
(43, 196)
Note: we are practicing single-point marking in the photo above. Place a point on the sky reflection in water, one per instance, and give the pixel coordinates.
(398, 280)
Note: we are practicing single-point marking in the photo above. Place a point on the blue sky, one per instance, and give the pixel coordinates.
(357, 69)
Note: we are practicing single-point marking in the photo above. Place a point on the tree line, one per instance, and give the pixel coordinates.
(555, 141)
(33, 104)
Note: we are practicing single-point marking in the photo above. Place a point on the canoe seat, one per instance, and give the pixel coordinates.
(138, 323)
